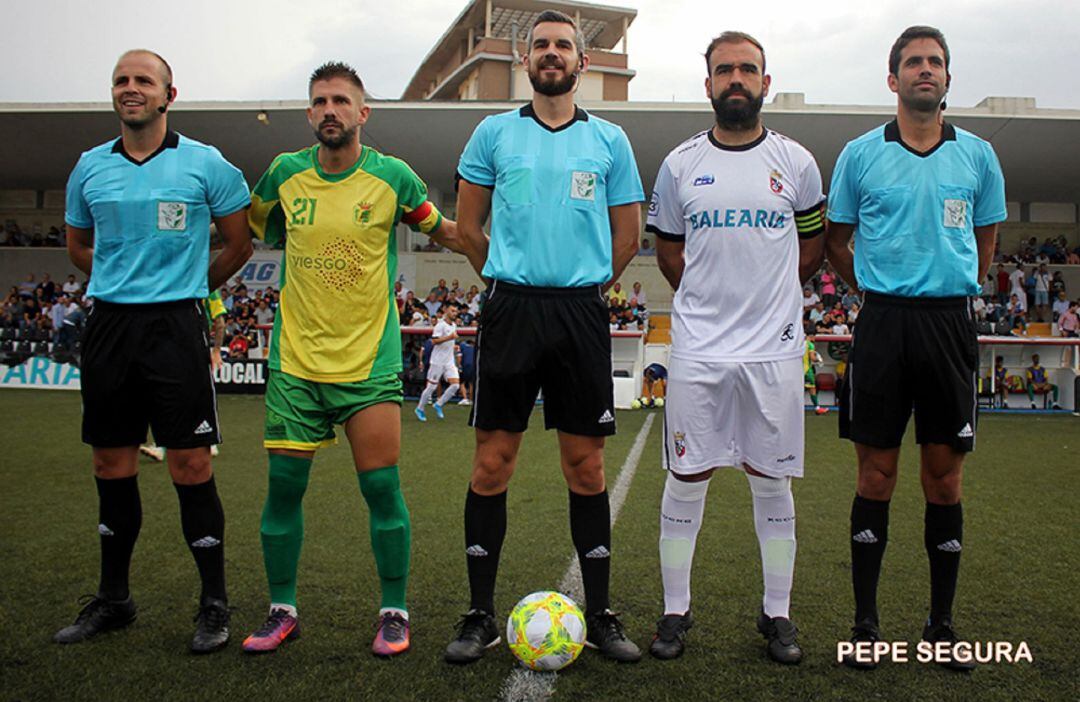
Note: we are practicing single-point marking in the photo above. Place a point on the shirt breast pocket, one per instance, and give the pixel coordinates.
(172, 210)
(957, 203)
(105, 210)
(514, 180)
(583, 184)
(884, 206)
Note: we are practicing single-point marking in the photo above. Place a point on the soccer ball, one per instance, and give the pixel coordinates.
(546, 631)
(658, 402)
(636, 404)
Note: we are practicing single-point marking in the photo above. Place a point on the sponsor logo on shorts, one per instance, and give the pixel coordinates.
(706, 179)
(105, 531)
(786, 459)
(206, 542)
(476, 551)
(599, 552)
(966, 432)
(780, 520)
(680, 444)
(606, 418)
(865, 537)
(776, 183)
(951, 546)
(583, 186)
(172, 216)
(204, 428)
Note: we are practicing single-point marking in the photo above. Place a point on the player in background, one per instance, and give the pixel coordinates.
(442, 363)
(138, 218)
(737, 211)
(1037, 381)
(923, 200)
(215, 315)
(812, 359)
(562, 189)
(653, 384)
(335, 357)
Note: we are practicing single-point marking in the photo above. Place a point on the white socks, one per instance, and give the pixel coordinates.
(429, 390)
(774, 521)
(447, 394)
(680, 521)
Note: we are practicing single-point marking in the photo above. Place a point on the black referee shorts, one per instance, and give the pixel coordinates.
(551, 339)
(148, 366)
(909, 354)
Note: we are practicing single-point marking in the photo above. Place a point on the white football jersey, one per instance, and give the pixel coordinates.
(442, 354)
(740, 212)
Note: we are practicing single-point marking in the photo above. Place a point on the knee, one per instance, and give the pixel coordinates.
(585, 474)
(190, 468)
(111, 472)
(942, 489)
(491, 472)
(876, 482)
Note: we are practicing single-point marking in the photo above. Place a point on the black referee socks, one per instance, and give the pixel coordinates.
(203, 523)
(119, 521)
(944, 537)
(485, 529)
(869, 534)
(590, 529)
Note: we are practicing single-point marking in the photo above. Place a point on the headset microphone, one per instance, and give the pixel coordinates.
(163, 108)
(168, 99)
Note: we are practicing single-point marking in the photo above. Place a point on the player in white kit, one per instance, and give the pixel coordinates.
(737, 212)
(442, 363)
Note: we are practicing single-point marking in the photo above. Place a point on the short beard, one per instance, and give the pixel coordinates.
(739, 117)
(552, 88)
(923, 104)
(340, 141)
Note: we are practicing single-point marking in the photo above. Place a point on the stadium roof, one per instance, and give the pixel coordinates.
(39, 143)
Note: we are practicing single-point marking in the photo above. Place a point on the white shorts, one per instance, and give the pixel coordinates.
(438, 371)
(727, 414)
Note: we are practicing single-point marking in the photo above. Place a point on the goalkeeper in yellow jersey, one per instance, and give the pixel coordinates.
(335, 353)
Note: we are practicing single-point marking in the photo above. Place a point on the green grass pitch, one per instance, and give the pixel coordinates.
(1018, 580)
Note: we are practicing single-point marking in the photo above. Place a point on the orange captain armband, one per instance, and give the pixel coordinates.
(426, 218)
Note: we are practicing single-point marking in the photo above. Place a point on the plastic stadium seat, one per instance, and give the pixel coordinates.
(660, 321)
(1038, 329)
(1002, 327)
(984, 327)
(658, 336)
(826, 382)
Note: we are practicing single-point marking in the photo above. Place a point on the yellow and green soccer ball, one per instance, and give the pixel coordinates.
(546, 631)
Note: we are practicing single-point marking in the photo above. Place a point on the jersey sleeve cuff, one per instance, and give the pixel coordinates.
(666, 236)
(458, 177)
(640, 197)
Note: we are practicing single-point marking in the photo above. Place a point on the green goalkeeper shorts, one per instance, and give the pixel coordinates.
(810, 379)
(301, 414)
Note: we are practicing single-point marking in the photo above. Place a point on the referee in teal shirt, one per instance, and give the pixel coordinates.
(564, 195)
(138, 215)
(923, 200)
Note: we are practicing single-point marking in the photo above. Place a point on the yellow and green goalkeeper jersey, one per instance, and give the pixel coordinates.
(214, 307)
(336, 320)
(808, 357)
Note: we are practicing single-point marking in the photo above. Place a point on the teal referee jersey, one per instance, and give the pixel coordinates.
(552, 188)
(915, 213)
(151, 219)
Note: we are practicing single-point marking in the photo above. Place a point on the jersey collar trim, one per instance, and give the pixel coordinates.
(892, 134)
(171, 141)
(741, 147)
(338, 177)
(580, 115)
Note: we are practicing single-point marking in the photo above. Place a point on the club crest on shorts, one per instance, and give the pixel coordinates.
(680, 444)
(776, 183)
(583, 186)
(172, 216)
(956, 214)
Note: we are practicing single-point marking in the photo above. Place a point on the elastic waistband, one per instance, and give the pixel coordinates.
(502, 287)
(145, 307)
(937, 303)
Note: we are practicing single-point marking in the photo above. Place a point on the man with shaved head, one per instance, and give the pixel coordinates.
(138, 216)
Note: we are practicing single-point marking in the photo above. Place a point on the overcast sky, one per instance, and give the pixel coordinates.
(834, 52)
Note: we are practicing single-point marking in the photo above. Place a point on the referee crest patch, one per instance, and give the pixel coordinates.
(956, 213)
(583, 186)
(172, 216)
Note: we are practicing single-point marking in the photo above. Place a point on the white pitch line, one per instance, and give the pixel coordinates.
(529, 686)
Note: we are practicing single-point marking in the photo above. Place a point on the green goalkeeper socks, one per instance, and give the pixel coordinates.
(390, 533)
(282, 528)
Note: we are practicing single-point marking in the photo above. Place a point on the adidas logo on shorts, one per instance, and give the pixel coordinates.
(865, 537)
(598, 552)
(606, 417)
(206, 542)
(966, 432)
(952, 546)
(476, 550)
(203, 428)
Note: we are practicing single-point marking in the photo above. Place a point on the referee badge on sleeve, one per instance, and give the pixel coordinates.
(172, 216)
(956, 213)
(583, 186)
